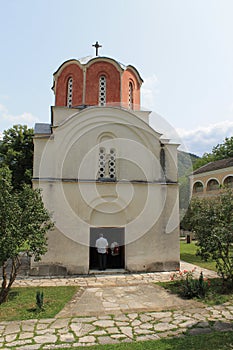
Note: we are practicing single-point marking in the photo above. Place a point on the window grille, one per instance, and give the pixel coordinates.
(102, 90)
(130, 95)
(69, 92)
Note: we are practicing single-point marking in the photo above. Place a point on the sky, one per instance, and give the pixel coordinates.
(183, 50)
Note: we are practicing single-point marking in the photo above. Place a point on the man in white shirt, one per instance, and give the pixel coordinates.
(102, 249)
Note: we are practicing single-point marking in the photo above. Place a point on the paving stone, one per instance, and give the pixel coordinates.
(67, 338)
(188, 324)
(105, 317)
(158, 315)
(123, 318)
(12, 328)
(10, 337)
(118, 336)
(162, 327)
(227, 315)
(146, 326)
(145, 318)
(98, 332)
(20, 343)
(122, 323)
(143, 331)
(107, 340)
(30, 347)
(44, 331)
(85, 329)
(26, 335)
(112, 330)
(223, 326)
(147, 337)
(199, 317)
(127, 331)
(136, 323)
(47, 320)
(104, 323)
(132, 316)
(203, 324)
(27, 327)
(63, 330)
(59, 323)
(57, 346)
(46, 338)
(42, 326)
(84, 319)
(197, 331)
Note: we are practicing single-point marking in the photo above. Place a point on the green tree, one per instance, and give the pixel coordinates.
(221, 151)
(212, 221)
(16, 152)
(23, 225)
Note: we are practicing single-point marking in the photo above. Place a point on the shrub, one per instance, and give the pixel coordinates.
(191, 287)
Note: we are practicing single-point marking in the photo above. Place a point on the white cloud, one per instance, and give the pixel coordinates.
(149, 90)
(203, 139)
(24, 118)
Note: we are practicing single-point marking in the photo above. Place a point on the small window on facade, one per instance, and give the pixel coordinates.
(112, 164)
(102, 90)
(130, 95)
(102, 162)
(69, 92)
(198, 187)
(107, 164)
(212, 185)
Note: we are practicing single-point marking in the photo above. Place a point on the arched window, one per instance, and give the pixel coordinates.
(212, 185)
(102, 90)
(228, 182)
(69, 92)
(130, 95)
(198, 187)
(162, 162)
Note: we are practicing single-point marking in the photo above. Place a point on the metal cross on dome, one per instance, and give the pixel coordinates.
(97, 46)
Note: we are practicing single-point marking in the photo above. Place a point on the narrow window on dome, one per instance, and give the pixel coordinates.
(102, 90)
(69, 92)
(130, 95)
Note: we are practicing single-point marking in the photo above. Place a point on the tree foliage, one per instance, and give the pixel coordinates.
(212, 222)
(221, 151)
(16, 152)
(23, 225)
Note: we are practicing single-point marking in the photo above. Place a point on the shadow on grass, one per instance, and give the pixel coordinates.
(12, 295)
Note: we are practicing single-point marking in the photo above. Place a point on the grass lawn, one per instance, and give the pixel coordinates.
(188, 254)
(213, 341)
(21, 304)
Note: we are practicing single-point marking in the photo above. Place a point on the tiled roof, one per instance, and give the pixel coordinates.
(218, 164)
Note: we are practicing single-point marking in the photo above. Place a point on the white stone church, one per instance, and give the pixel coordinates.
(103, 169)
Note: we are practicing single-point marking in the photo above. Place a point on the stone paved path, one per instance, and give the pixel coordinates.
(135, 311)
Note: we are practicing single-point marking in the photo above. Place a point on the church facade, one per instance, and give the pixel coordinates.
(103, 169)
